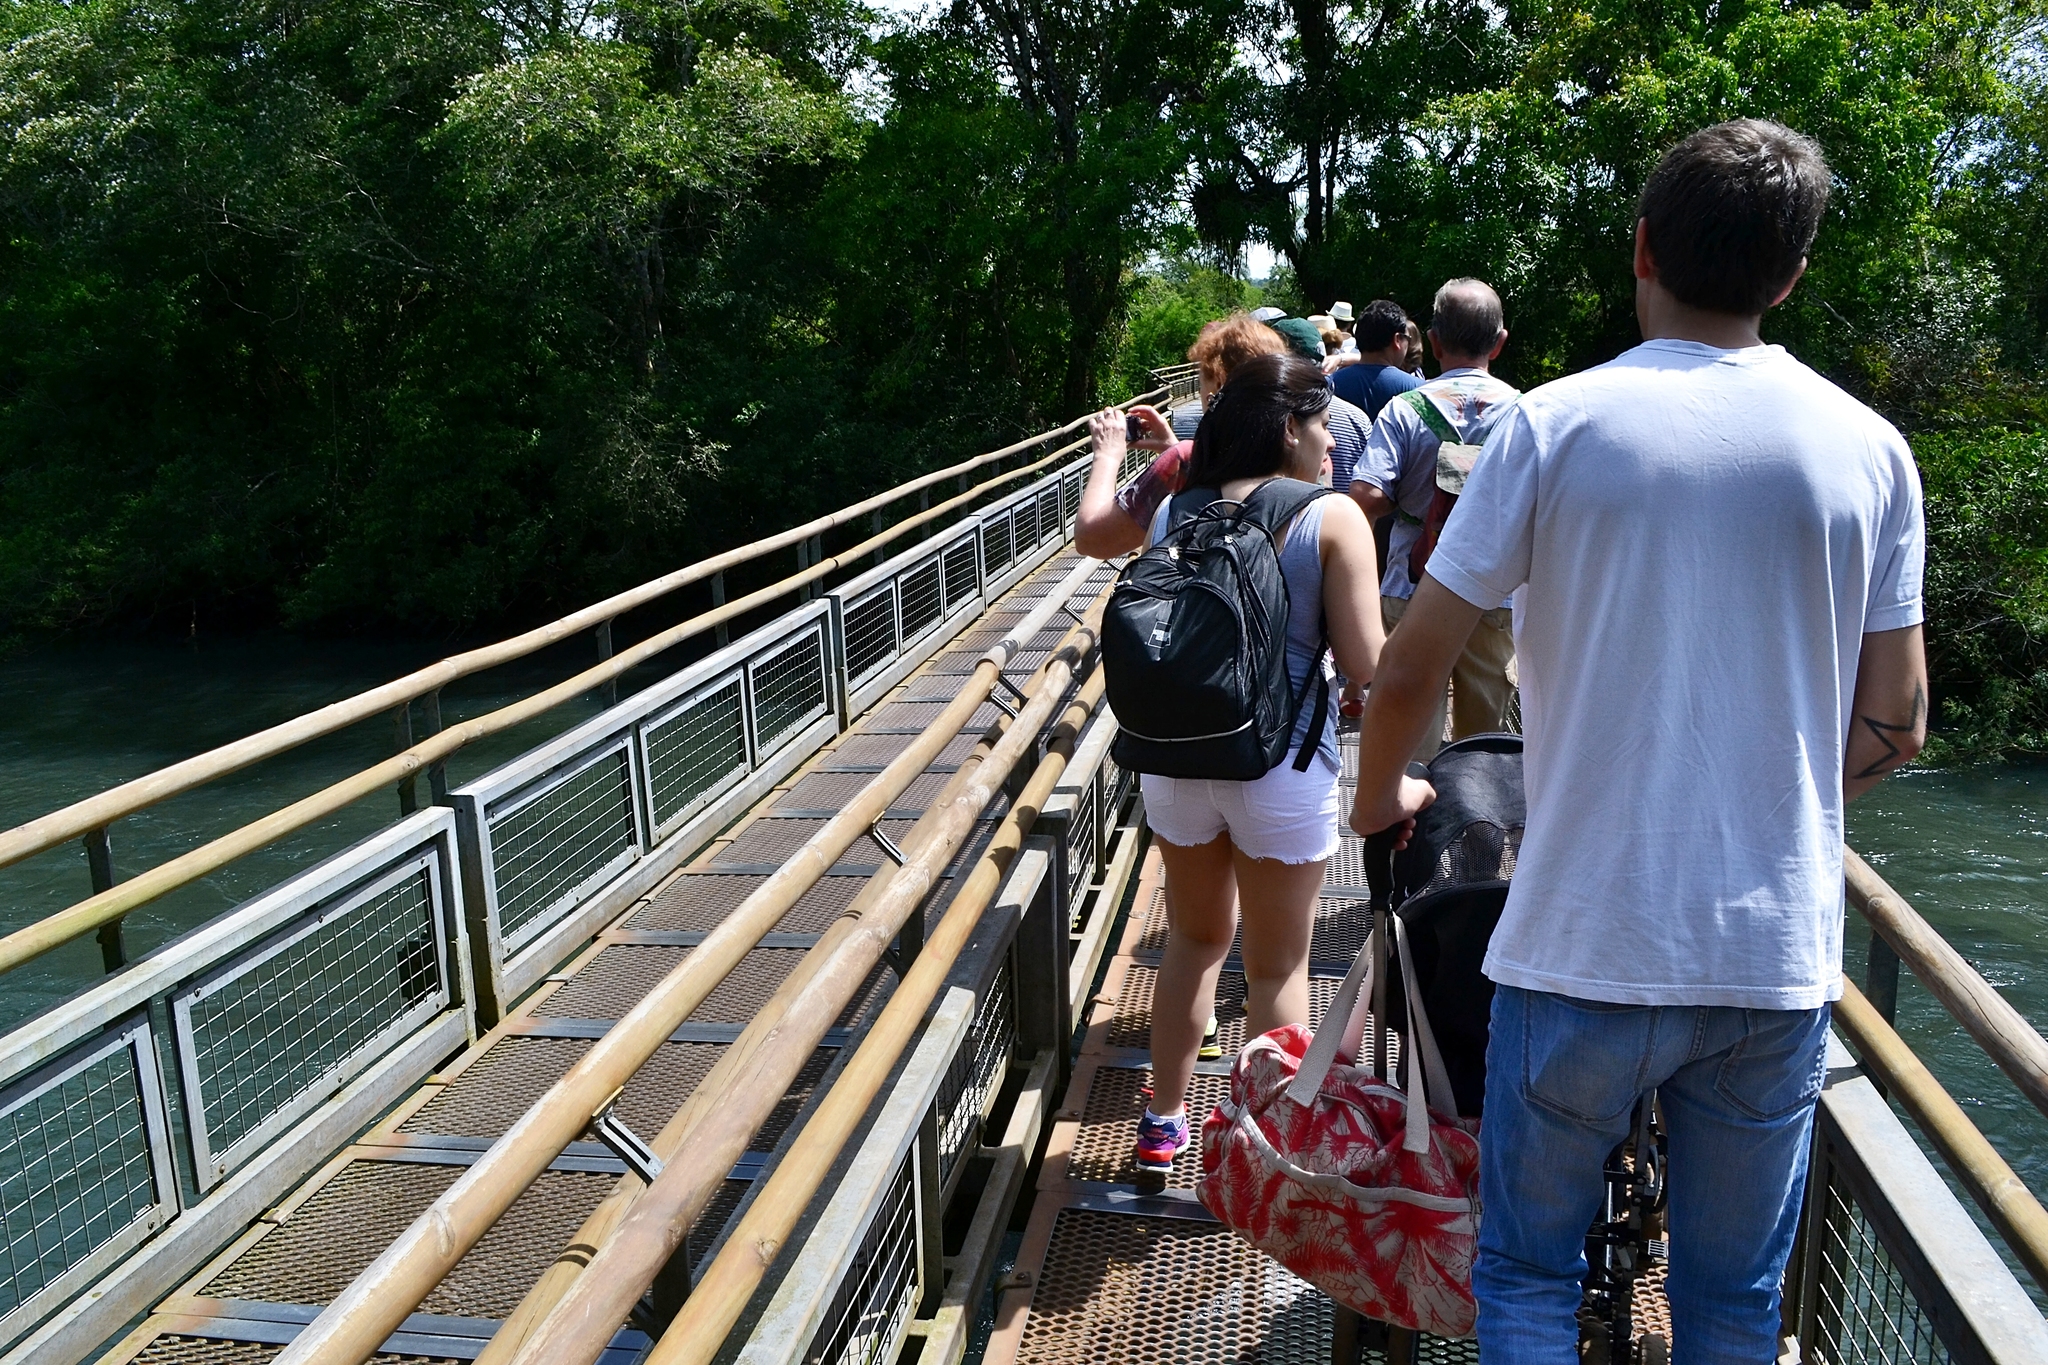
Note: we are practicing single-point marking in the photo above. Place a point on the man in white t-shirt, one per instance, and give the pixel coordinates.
(1716, 559)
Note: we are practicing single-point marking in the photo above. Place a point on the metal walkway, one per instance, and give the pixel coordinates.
(254, 1296)
(1118, 1265)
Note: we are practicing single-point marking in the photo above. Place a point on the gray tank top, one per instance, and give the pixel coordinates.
(1301, 565)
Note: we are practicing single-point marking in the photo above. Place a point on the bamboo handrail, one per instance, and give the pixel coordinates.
(578, 1328)
(33, 940)
(95, 812)
(357, 1322)
(598, 1226)
(698, 1332)
(2002, 1031)
(1998, 1190)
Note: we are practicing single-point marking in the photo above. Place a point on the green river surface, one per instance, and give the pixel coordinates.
(1968, 847)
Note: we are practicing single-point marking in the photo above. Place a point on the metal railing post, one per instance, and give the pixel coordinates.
(401, 738)
(99, 865)
(875, 528)
(718, 600)
(437, 772)
(610, 690)
(1881, 978)
(931, 1213)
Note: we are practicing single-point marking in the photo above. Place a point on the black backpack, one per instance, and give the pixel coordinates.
(1194, 642)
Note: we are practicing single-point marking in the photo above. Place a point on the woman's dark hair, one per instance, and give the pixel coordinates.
(1244, 433)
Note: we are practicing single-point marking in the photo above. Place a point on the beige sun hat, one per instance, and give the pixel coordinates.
(1323, 322)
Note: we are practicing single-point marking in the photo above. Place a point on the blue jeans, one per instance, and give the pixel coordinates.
(1737, 1088)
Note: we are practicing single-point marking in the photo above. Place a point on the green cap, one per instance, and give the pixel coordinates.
(1301, 335)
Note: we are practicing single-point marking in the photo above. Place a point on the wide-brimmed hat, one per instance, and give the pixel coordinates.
(1341, 311)
(1322, 322)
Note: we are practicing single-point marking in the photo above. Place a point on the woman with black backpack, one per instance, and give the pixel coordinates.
(1245, 847)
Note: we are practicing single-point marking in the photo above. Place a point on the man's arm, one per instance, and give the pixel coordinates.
(1888, 715)
(1414, 668)
(1371, 498)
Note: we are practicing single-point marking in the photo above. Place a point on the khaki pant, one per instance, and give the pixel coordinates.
(1482, 682)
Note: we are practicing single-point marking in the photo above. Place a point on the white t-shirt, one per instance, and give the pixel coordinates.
(1697, 541)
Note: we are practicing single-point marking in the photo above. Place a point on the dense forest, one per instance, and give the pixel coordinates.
(438, 315)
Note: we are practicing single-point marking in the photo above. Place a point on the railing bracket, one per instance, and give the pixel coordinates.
(887, 844)
(625, 1144)
(1003, 704)
(1012, 688)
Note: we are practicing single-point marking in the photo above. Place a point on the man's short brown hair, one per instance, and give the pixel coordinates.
(1228, 342)
(1731, 212)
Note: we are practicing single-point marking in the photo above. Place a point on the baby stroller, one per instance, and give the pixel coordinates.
(1448, 888)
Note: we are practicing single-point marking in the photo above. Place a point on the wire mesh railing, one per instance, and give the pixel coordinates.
(355, 978)
(351, 970)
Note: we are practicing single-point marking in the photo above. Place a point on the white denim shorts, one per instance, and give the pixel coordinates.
(1288, 816)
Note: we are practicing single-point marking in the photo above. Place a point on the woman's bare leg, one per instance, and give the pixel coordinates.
(1277, 902)
(1201, 911)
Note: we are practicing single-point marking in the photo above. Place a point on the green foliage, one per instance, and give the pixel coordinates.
(433, 316)
(1168, 307)
(1987, 591)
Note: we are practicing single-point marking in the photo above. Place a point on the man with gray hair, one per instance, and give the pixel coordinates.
(1399, 475)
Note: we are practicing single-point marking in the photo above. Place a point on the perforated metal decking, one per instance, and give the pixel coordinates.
(252, 1298)
(1118, 1266)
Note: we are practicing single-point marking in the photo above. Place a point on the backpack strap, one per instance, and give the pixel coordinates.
(1276, 502)
(1432, 416)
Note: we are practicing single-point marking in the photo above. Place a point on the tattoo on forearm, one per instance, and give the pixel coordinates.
(1882, 732)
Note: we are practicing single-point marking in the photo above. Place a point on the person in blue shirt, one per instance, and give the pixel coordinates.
(1378, 370)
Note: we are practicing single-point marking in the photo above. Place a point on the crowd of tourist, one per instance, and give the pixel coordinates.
(1698, 568)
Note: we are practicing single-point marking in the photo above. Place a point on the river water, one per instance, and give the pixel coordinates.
(1969, 848)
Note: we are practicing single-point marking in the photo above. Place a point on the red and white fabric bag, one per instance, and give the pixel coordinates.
(1342, 1177)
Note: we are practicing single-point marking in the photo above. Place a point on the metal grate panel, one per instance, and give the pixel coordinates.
(1109, 1126)
(190, 1350)
(1117, 1288)
(791, 688)
(1337, 937)
(872, 1304)
(996, 551)
(1048, 514)
(617, 978)
(958, 563)
(1865, 1314)
(700, 901)
(922, 597)
(977, 1071)
(80, 1161)
(499, 1087)
(1131, 1024)
(870, 632)
(330, 1238)
(775, 840)
(305, 1010)
(877, 751)
(546, 852)
(915, 717)
(694, 752)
